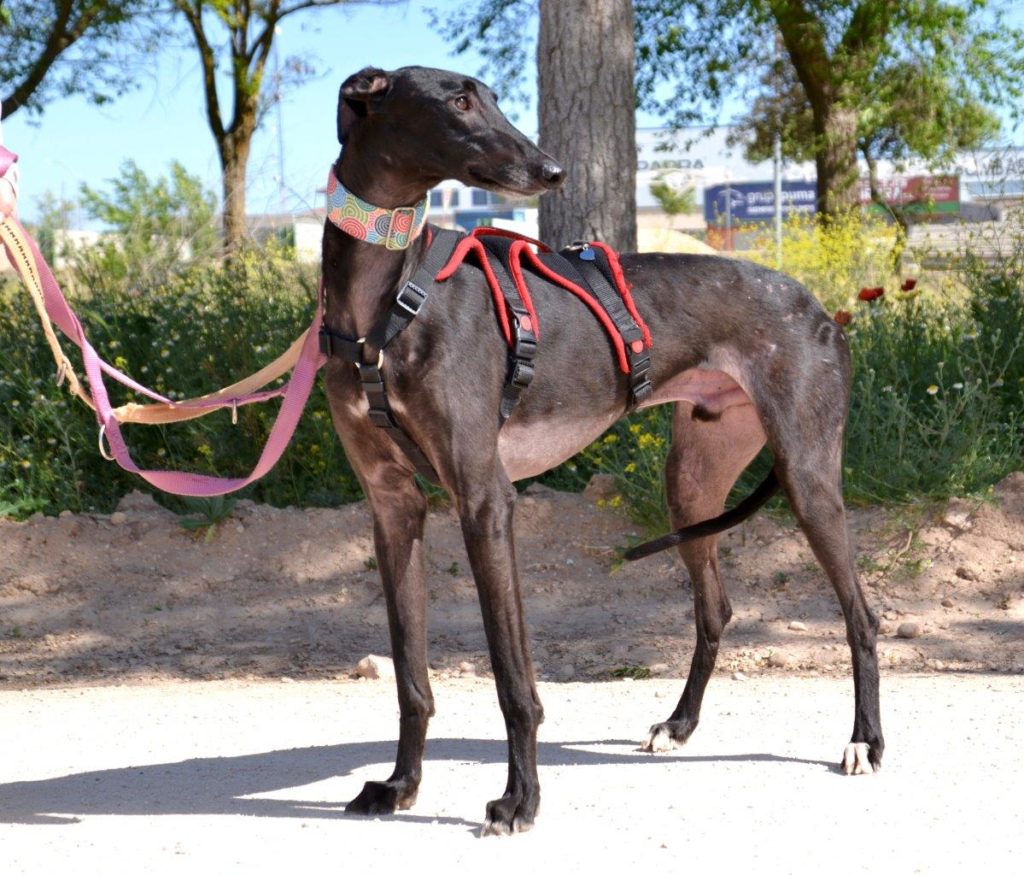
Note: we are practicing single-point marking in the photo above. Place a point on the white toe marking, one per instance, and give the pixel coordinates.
(856, 760)
(659, 741)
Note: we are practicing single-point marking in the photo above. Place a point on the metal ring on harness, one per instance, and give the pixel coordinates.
(103, 449)
(380, 353)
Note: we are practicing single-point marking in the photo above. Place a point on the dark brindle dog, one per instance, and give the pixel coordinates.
(745, 354)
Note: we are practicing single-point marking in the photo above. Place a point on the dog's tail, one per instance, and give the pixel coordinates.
(765, 490)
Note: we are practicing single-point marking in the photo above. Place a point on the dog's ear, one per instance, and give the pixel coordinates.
(357, 97)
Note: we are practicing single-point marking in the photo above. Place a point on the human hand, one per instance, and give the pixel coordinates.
(8, 199)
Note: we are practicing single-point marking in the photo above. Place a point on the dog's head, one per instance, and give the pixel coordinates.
(434, 125)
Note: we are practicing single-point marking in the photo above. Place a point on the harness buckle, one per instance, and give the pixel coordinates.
(522, 374)
(416, 297)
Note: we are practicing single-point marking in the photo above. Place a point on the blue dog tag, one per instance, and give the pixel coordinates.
(587, 254)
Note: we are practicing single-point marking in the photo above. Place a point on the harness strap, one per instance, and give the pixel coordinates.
(398, 316)
(523, 343)
(591, 265)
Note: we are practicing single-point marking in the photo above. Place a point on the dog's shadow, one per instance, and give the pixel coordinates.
(223, 785)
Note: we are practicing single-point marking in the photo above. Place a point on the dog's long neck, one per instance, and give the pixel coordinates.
(362, 278)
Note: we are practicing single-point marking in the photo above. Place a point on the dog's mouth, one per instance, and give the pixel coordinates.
(513, 187)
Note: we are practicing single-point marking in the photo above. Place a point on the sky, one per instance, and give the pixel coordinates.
(164, 119)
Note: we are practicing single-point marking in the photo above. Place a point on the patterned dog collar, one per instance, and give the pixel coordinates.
(395, 229)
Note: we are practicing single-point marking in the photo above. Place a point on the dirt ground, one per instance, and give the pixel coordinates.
(284, 593)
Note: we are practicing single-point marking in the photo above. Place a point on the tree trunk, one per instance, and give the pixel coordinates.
(587, 106)
(234, 158)
(836, 159)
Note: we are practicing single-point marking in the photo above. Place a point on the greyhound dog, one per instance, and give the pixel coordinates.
(746, 355)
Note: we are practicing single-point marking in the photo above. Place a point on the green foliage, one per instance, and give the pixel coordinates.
(156, 226)
(52, 224)
(673, 199)
(208, 513)
(921, 79)
(56, 48)
(633, 672)
(201, 330)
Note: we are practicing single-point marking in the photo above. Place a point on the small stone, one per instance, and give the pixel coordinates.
(659, 667)
(778, 659)
(947, 602)
(738, 676)
(140, 502)
(909, 630)
(118, 518)
(958, 515)
(64, 514)
(797, 626)
(566, 672)
(965, 572)
(601, 486)
(375, 668)
(537, 488)
(284, 679)
(467, 668)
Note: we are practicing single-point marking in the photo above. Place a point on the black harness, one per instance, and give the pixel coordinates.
(582, 268)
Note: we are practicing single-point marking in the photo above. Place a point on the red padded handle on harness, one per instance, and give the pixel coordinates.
(472, 244)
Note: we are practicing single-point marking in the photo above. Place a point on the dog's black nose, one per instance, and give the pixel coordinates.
(553, 174)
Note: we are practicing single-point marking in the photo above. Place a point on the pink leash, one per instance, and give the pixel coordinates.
(295, 393)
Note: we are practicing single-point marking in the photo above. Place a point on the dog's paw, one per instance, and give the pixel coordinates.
(859, 759)
(381, 797)
(667, 736)
(508, 815)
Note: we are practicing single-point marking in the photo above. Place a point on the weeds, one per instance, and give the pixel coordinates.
(208, 514)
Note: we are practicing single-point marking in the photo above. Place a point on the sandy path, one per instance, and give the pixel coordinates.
(251, 776)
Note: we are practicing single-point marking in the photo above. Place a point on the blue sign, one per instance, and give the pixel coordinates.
(742, 203)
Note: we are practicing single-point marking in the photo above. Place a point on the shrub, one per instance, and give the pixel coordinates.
(199, 331)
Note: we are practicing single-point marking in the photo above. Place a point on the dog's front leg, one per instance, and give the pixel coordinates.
(486, 515)
(399, 511)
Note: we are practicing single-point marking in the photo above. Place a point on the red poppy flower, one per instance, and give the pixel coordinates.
(908, 285)
(870, 294)
(843, 317)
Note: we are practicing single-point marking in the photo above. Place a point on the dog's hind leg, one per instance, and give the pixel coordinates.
(812, 482)
(804, 409)
(704, 461)
(486, 506)
(399, 510)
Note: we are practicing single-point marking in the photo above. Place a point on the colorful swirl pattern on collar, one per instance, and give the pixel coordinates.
(395, 229)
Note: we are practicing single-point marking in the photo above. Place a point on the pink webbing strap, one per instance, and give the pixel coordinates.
(295, 393)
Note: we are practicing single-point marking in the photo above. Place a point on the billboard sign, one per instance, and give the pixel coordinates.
(745, 203)
(920, 195)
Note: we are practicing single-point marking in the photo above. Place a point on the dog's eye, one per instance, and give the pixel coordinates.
(461, 103)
